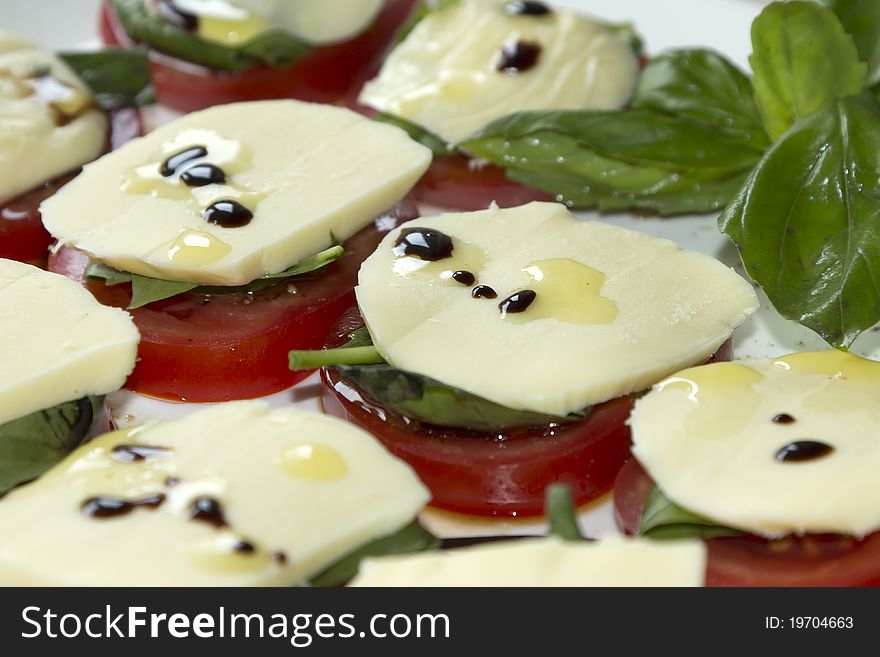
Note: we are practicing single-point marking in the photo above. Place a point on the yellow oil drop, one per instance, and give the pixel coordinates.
(851, 383)
(195, 248)
(313, 461)
(567, 291)
(219, 554)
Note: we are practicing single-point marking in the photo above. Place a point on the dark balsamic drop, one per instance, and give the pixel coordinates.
(783, 418)
(518, 302)
(138, 453)
(803, 450)
(519, 57)
(228, 214)
(203, 174)
(484, 292)
(112, 507)
(527, 8)
(174, 162)
(244, 547)
(424, 244)
(207, 509)
(464, 277)
(171, 13)
(280, 557)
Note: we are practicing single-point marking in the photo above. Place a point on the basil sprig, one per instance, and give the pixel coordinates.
(664, 519)
(861, 19)
(414, 395)
(145, 290)
(275, 48)
(117, 77)
(34, 443)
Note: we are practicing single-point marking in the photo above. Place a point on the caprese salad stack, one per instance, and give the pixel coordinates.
(497, 349)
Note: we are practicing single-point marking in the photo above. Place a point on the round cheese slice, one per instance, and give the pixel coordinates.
(234, 495)
(302, 170)
(473, 62)
(545, 562)
(613, 310)
(59, 344)
(772, 447)
(48, 123)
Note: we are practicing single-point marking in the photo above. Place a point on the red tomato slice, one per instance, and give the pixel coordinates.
(22, 236)
(324, 75)
(811, 560)
(200, 348)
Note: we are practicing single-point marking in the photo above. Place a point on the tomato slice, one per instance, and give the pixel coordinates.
(810, 560)
(201, 348)
(22, 236)
(323, 75)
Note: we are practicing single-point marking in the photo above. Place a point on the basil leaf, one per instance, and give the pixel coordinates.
(807, 221)
(663, 519)
(32, 444)
(422, 9)
(347, 355)
(801, 58)
(417, 133)
(146, 290)
(412, 538)
(627, 32)
(117, 77)
(561, 514)
(702, 86)
(276, 48)
(861, 19)
(110, 275)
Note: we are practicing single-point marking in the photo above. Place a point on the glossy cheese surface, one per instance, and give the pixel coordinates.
(59, 344)
(302, 170)
(545, 562)
(48, 124)
(234, 495)
(772, 447)
(445, 75)
(614, 310)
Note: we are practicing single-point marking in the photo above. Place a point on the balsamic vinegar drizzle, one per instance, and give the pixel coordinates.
(200, 175)
(464, 277)
(207, 509)
(783, 418)
(803, 450)
(484, 292)
(111, 507)
(173, 163)
(423, 243)
(527, 8)
(244, 547)
(171, 13)
(228, 213)
(517, 302)
(280, 557)
(138, 453)
(519, 57)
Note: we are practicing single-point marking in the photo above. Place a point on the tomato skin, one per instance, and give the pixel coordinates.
(324, 75)
(197, 348)
(748, 560)
(22, 236)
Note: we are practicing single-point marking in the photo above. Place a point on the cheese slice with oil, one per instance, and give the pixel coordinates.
(59, 344)
(48, 122)
(303, 170)
(291, 493)
(545, 562)
(709, 439)
(615, 310)
(445, 75)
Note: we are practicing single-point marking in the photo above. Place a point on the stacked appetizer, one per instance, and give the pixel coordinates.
(209, 52)
(501, 347)
(221, 233)
(61, 350)
(468, 63)
(773, 462)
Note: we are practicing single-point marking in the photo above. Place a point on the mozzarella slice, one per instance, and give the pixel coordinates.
(48, 125)
(280, 495)
(304, 170)
(708, 437)
(615, 310)
(445, 75)
(545, 562)
(59, 344)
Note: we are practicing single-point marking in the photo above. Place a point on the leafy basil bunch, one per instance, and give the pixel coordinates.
(117, 77)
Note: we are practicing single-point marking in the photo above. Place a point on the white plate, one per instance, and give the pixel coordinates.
(720, 24)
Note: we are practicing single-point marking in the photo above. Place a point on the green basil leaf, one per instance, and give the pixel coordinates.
(276, 48)
(802, 58)
(807, 221)
(861, 19)
(627, 32)
(32, 444)
(110, 275)
(422, 9)
(702, 86)
(663, 519)
(561, 513)
(417, 133)
(146, 290)
(117, 77)
(412, 538)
